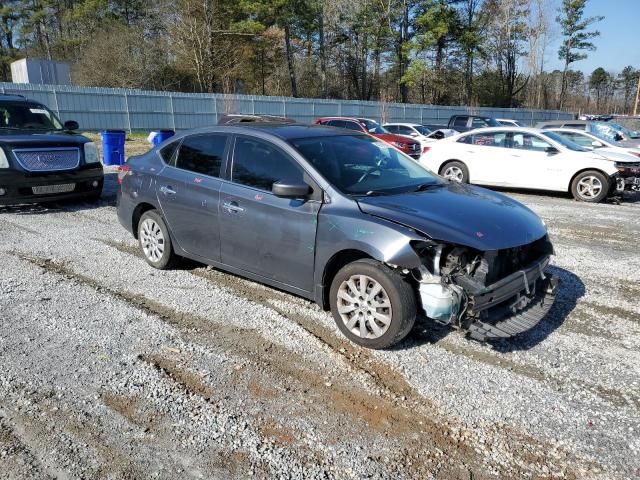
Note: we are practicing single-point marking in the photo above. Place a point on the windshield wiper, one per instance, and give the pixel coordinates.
(426, 186)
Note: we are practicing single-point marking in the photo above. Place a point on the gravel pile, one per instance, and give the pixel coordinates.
(111, 369)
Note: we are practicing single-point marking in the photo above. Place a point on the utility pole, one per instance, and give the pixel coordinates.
(635, 108)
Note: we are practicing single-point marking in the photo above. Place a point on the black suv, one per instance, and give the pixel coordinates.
(464, 123)
(41, 159)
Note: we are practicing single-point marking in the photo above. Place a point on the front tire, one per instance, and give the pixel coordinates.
(455, 171)
(590, 186)
(373, 305)
(154, 240)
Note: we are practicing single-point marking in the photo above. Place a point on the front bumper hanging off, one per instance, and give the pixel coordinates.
(513, 305)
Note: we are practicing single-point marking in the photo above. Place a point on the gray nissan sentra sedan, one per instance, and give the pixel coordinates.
(345, 220)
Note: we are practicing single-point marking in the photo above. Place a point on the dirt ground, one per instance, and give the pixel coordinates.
(111, 369)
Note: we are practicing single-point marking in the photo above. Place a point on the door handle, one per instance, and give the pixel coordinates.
(167, 190)
(232, 207)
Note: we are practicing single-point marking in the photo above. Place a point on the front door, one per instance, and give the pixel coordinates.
(263, 234)
(189, 194)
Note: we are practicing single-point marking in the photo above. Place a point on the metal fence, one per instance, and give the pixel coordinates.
(137, 110)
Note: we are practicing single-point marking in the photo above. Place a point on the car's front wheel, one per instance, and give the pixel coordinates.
(456, 171)
(154, 240)
(373, 305)
(590, 186)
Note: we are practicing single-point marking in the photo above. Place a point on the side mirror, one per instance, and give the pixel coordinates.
(551, 150)
(71, 125)
(597, 144)
(290, 190)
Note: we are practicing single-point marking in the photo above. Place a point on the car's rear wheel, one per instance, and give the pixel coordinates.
(373, 305)
(154, 240)
(455, 171)
(590, 186)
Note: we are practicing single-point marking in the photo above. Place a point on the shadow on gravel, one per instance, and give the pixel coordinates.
(107, 199)
(571, 289)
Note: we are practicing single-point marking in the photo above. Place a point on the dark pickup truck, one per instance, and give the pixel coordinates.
(464, 123)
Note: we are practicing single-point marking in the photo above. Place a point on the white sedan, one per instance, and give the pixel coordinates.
(525, 158)
(597, 142)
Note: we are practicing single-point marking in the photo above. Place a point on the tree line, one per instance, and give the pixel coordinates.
(449, 52)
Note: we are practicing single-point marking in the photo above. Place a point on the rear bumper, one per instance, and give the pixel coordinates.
(513, 305)
(18, 185)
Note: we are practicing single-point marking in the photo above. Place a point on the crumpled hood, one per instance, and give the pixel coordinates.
(460, 214)
(616, 156)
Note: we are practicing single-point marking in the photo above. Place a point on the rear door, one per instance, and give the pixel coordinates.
(486, 156)
(263, 234)
(189, 193)
(531, 166)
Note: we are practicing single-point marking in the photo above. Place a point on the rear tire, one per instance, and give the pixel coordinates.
(590, 186)
(455, 171)
(372, 305)
(154, 240)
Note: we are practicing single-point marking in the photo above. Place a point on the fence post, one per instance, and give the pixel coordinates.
(173, 114)
(126, 106)
(55, 99)
(253, 105)
(215, 107)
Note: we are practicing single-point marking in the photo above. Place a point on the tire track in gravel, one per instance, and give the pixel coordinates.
(16, 454)
(393, 384)
(416, 429)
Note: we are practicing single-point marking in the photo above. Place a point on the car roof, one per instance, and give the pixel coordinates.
(404, 124)
(13, 98)
(354, 119)
(280, 130)
(506, 128)
(562, 122)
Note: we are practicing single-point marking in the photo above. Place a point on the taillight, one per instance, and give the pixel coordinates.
(123, 171)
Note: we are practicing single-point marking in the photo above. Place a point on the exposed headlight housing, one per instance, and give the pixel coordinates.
(91, 153)
(4, 163)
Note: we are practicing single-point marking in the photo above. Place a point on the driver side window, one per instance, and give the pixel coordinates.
(259, 165)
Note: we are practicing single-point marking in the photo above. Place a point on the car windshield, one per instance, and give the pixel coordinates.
(492, 122)
(27, 116)
(372, 126)
(624, 130)
(565, 142)
(604, 130)
(363, 165)
(422, 129)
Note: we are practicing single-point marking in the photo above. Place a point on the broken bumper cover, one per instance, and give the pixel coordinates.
(513, 305)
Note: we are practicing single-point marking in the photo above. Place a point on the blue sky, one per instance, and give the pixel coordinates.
(618, 44)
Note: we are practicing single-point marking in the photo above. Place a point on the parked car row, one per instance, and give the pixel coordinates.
(352, 217)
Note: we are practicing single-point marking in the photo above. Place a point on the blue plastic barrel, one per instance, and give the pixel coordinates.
(113, 147)
(161, 136)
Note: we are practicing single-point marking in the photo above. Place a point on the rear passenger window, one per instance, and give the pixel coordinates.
(202, 154)
(258, 164)
(352, 126)
(167, 152)
(460, 122)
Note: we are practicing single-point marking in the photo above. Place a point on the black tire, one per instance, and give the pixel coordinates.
(455, 164)
(401, 296)
(600, 186)
(165, 258)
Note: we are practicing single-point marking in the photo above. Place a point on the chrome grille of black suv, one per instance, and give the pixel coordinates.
(48, 159)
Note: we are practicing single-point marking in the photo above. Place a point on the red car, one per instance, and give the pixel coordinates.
(366, 125)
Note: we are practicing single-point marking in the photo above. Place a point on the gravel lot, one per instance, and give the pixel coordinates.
(111, 369)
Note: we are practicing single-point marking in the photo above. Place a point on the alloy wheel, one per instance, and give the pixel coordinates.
(589, 187)
(453, 173)
(152, 240)
(364, 306)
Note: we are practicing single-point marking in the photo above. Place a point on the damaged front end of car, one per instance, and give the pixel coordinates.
(490, 294)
